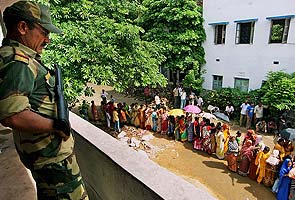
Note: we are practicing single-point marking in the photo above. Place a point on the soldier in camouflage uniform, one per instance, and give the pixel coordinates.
(28, 106)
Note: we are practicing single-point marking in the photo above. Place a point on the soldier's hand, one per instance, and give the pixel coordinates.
(62, 126)
(63, 135)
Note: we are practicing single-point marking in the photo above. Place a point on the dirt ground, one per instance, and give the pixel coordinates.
(191, 164)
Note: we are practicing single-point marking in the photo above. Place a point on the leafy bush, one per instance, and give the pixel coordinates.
(191, 81)
(221, 97)
(279, 90)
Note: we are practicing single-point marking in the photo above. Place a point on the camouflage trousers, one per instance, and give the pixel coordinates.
(60, 181)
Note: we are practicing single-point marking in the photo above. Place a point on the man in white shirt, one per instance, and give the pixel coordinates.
(229, 111)
(243, 115)
(103, 96)
(183, 99)
(258, 112)
(176, 95)
(157, 101)
(200, 101)
(179, 95)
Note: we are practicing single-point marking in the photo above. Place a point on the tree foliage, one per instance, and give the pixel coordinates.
(279, 90)
(101, 44)
(190, 81)
(176, 26)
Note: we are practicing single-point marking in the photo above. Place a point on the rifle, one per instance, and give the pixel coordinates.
(62, 122)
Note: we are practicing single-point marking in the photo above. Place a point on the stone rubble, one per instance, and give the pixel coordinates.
(138, 139)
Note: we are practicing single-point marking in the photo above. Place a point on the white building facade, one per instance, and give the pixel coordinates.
(245, 40)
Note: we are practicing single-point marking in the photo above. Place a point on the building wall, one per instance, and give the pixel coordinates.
(251, 61)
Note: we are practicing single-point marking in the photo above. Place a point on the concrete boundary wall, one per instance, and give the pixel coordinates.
(113, 171)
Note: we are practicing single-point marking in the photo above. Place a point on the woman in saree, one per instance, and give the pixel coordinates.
(177, 128)
(136, 117)
(154, 120)
(219, 138)
(171, 126)
(127, 110)
(94, 112)
(102, 112)
(142, 116)
(271, 168)
(288, 148)
(226, 134)
(133, 113)
(206, 145)
(202, 124)
(284, 180)
(164, 121)
(182, 129)
(253, 166)
(260, 161)
(280, 147)
(250, 135)
(159, 122)
(197, 132)
(198, 139)
(148, 116)
(190, 128)
(122, 117)
(232, 154)
(212, 136)
(246, 158)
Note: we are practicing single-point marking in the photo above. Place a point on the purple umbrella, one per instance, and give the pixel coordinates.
(192, 109)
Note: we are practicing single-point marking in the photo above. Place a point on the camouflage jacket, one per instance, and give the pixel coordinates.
(25, 83)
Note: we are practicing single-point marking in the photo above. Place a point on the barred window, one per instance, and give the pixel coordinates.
(220, 31)
(242, 84)
(217, 82)
(245, 33)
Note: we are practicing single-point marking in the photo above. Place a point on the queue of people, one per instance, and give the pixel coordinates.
(249, 156)
(246, 155)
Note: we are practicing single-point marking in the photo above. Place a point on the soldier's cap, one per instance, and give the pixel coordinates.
(33, 12)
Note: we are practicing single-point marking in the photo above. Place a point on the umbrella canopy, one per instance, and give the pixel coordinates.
(221, 116)
(207, 115)
(176, 112)
(192, 109)
(288, 134)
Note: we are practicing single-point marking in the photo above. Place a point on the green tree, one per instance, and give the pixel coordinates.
(279, 90)
(176, 26)
(101, 44)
